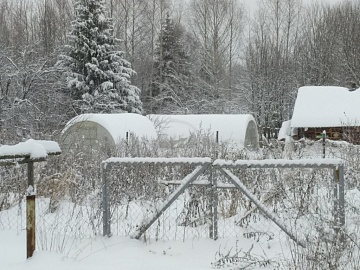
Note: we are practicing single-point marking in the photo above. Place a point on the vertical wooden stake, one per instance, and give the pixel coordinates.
(30, 225)
(30, 212)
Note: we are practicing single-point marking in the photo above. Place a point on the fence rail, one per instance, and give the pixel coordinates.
(214, 186)
(137, 199)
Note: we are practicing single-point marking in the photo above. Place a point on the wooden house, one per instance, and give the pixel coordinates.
(333, 109)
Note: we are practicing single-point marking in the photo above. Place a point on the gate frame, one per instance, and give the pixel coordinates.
(335, 164)
(224, 167)
(201, 163)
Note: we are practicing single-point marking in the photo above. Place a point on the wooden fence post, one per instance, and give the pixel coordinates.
(30, 212)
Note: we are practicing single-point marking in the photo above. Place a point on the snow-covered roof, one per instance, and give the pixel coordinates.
(286, 130)
(231, 127)
(326, 106)
(34, 149)
(118, 124)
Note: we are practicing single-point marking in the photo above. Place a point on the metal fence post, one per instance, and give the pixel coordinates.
(336, 197)
(213, 230)
(214, 192)
(215, 206)
(105, 202)
(341, 196)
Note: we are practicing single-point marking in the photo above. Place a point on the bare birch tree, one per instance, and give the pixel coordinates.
(270, 62)
(217, 27)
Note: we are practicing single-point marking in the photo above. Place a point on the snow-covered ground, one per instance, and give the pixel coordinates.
(71, 228)
(77, 251)
(126, 253)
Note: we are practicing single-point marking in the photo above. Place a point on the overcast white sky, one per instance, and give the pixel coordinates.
(251, 4)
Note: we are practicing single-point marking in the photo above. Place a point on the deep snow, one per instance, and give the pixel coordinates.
(124, 253)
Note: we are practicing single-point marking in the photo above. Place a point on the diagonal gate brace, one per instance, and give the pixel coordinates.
(237, 182)
(185, 183)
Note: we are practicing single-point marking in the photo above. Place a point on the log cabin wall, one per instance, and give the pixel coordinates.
(349, 134)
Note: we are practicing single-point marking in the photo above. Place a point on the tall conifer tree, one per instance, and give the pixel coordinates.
(170, 84)
(98, 76)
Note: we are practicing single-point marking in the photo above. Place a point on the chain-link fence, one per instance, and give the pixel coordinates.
(299, 199)
(302, 199)
(272, 204)
(136, 192)
(69, 204)
(64, 215)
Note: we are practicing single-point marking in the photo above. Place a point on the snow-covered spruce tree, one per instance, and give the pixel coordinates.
(97, 75)
(170, 84)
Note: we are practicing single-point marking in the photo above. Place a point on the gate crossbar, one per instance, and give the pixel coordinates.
(180, 189)
(236, 181)
(223, 166)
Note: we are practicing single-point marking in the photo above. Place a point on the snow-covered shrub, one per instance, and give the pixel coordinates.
(236, 258)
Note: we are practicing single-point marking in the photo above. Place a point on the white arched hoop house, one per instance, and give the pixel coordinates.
(96, 130)
(238, 129)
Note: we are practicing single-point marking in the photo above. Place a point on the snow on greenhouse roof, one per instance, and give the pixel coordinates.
(326, 106)
(231, 127)
(118, 124)
(286, 130)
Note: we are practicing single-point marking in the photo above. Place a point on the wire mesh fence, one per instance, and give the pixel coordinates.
(56, 229)
(302, 199)
(185, 218)
(137, 192)
(282, 202)
(63, 219)
(12, 192)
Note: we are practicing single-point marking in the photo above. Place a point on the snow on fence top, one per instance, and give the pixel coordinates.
(240, 129)
(266, 163)
(114, 126)
(138, 160)
(326, 106)
(33, 149)
(281, 163)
